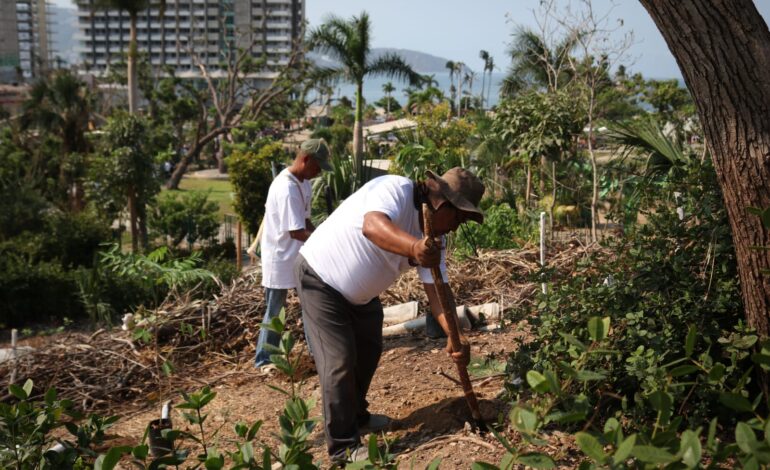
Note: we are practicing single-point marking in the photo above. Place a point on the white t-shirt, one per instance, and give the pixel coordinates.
(287, 207)
(350, 263)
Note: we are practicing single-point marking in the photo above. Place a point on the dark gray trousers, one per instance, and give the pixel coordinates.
(347, 343)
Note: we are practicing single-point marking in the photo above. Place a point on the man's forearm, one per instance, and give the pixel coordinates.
(381, 231)
(302, 234)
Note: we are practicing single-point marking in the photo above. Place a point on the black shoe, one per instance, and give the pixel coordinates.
(376, 423)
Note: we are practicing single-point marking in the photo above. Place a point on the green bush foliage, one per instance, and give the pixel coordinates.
(338, 136)
(28, 431)
(38, 280)
(503, 228)
(34, 291)
(188, 217)
(251, 177)
(666, 276)
(74, 238)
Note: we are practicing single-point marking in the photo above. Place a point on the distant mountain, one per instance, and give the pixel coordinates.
(419, 61)
(64, 22)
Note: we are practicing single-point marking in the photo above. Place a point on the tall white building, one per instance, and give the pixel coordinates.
(201, 28)
(25, 42)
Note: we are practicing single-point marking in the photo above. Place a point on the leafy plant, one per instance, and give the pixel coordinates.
(502, 229)
(189, 217)
(27, 430)
(250, 176)
(295, 421)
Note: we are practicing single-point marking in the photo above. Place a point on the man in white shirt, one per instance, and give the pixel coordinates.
(286, 227)
(355, 255)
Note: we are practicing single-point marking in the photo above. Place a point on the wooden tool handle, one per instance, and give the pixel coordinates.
(451, 319)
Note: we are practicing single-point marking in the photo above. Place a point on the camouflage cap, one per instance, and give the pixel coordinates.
(319, 150)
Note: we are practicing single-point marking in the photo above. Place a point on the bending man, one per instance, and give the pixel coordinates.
(355, 255)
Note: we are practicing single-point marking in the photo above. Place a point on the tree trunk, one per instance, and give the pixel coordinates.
(358, 135)
(528, 189)
(594, 184)
(179, 170)
(184, 161)
(133, 89)
(132, 216)
(483, 83)
(141, 215)
(162, 18)
(723, 51)
(489, 87)
(460, 93)
(221, 155)
(553, 196)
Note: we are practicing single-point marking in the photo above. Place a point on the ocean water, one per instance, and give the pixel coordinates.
(373, 88)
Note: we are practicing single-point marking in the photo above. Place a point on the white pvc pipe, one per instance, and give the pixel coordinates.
(14, 339)
(542, 246)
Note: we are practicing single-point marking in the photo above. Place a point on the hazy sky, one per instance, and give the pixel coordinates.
(458, 29)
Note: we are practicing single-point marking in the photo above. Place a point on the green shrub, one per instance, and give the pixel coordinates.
(666, 276)
(338, 136)
(502, 229)
(251, 177)
(74, 238)
(189, 217)
(34, 292)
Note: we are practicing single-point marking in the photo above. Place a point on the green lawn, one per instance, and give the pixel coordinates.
(221, 191)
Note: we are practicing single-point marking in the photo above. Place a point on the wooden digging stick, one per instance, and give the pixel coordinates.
(451, 320)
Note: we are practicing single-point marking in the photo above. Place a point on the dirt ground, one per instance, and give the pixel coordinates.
(429, 410)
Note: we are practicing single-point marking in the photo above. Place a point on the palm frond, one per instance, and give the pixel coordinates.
(393, 66)
(331, 38)
(325, 75)
(645, 136)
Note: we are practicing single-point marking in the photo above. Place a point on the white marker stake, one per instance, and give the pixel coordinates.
(14, 339)
(542, 246)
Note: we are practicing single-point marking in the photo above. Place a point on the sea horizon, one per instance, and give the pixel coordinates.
(373, 92)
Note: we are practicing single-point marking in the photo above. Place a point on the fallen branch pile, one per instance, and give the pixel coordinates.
(188, 336)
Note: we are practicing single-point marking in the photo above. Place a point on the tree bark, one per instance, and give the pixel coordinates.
(723, 50)
(132, 220)
(553, 196)
(483, 85)
(528, 188)
(133, 88)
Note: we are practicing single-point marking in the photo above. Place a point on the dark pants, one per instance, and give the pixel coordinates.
(347, 343)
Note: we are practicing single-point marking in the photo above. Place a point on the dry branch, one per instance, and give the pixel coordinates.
(100, 370)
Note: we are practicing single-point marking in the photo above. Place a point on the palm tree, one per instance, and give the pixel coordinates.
(421, 101)
(61, 105)
(430, 81)
(349, 42)
(388, 88)
(489, 66)
(535, 65)
(483, 55)
(133, 8)
(459, 69)
(452, 67)
(470, 75)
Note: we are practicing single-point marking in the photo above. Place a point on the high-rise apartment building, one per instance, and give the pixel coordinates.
(25, 47)
(201, 28)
